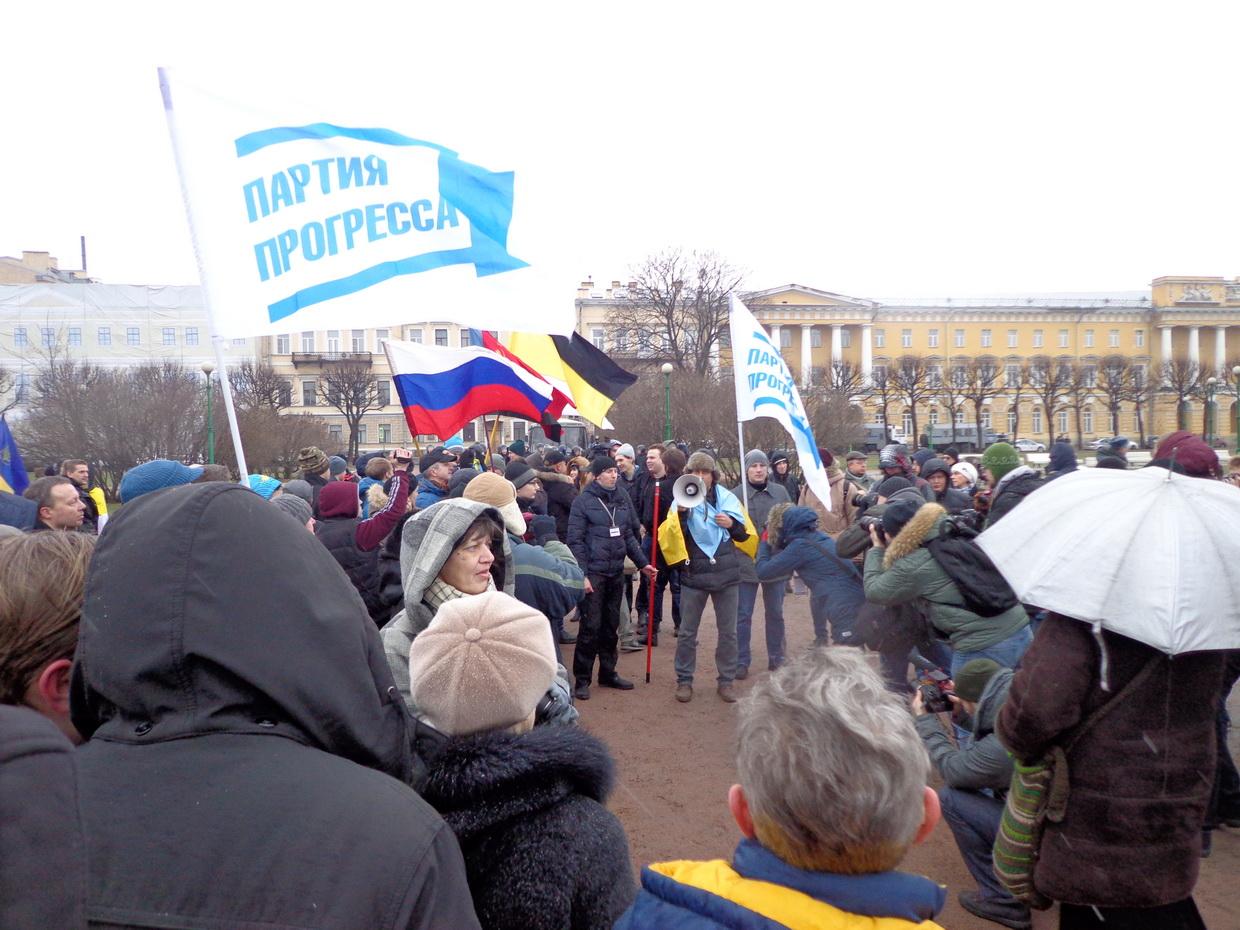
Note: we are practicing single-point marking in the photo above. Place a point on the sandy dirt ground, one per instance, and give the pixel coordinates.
(675, 764)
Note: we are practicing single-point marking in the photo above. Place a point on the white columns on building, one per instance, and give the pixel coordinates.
(1194, 345)
(1220, 351)
(837, 343)
(867, 352)
(1164, 351)
(807, 358)
(775, 337)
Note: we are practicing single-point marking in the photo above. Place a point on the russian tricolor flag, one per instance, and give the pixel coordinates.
(442, 389)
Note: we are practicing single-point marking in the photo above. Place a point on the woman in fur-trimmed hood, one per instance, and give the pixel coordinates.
(904, 570)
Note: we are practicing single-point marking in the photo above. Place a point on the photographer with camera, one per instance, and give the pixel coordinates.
(975, 779)
(931, 560)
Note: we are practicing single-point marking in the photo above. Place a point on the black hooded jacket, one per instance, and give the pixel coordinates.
(540, 847)
(248, 754)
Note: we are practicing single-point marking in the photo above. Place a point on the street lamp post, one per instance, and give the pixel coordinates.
(667, 401)
(1211, 386)
(1235, 373)
(207, 369)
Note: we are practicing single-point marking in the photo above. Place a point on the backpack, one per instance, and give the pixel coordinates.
(985, 591)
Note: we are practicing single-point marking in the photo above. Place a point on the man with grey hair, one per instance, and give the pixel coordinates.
(832, 795)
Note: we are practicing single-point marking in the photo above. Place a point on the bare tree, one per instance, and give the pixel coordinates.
(1183, 380)
(113, 418)
(1016, 384)
(1114, 386)
(913, 385)
(1049, 379)
(981, 385)
(257, 385)
(351, 389)
(951, 389)
(883, 392)
(1141, 390)
(845, 378)
(1079, 394)
(682, 301)
(8, 392)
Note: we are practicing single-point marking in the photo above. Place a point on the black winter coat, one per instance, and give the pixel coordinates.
(248, 753)
(561, 491)
(540, 848)
(339, 535)
(1010, 493)
(595, 513)
(43, 877)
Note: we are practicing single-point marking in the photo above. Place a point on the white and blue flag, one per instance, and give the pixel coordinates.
(765, 388)
(305, 220)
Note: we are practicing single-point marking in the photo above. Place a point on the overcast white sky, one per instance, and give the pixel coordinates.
(876, 149)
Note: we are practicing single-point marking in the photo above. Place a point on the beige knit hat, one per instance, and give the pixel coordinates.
(483, 663)
(498, 492)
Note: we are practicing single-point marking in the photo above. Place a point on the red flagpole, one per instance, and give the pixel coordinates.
(654, 549)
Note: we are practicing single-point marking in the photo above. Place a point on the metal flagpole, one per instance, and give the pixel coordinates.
(740, 436)
(225, 384)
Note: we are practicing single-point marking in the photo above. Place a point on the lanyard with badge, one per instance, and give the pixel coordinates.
(614, 531)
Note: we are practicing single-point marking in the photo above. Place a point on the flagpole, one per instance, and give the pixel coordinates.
(653, 582)
(169, 115)
(740, 436)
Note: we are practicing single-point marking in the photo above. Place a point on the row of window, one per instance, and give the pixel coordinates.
(599, 337)
(1035, 421)
(310, 393)
(357, 340)
(48, 336)
(469, 432)
(1013, 339)
(1012, 375)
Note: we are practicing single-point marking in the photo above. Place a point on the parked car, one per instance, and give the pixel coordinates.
(1028, 445)
(1099, 444)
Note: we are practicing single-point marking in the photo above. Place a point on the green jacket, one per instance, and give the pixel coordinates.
(906, 571)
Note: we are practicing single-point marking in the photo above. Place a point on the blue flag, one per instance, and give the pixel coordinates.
(12, 470)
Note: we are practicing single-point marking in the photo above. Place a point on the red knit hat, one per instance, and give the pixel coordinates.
(1190, 453)
(338, 499)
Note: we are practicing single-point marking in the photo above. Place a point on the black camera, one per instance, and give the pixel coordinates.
(935, 687)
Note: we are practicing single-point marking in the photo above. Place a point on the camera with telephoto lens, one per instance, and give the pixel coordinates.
(935, 686)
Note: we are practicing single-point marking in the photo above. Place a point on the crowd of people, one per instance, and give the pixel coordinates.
(341, 699)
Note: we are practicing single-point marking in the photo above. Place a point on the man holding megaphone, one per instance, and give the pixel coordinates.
(709, 523)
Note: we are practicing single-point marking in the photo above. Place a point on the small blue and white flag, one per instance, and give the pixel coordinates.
(305, 220)
(765, 388)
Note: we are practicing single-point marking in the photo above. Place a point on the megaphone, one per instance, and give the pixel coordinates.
(688, 491)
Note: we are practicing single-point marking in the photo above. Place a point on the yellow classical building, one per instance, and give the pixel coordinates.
(1168, 341)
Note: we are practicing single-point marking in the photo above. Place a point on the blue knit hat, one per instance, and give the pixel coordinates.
(338, 465)
(263, 485)
(156, 475)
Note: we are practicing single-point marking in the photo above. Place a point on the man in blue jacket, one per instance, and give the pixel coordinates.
(435, 471)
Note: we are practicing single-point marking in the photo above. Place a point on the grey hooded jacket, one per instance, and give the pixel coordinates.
(426, 542)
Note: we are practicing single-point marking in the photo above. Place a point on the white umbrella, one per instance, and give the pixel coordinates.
(1148, 554)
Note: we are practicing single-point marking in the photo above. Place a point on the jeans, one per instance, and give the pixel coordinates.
(598, 632)
(1006, 652)
(974, 821)
(828, 628)
(667, 577)
(773, 608)
(692, 604)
